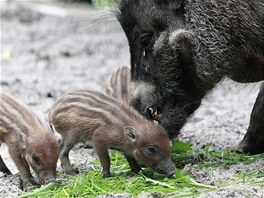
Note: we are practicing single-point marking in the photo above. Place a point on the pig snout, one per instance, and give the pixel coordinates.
(47, 176)
(166, 167)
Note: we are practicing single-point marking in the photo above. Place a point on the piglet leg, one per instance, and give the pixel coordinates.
(22, 166)
(65, 146)
(104, 158)
(3, 167)
(135, 168)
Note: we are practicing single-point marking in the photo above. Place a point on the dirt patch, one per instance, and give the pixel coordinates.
(50, 48)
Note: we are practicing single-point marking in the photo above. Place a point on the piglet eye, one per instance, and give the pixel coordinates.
(152, 150)
(36, 159)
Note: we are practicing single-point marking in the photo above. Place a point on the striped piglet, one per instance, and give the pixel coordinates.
(108, 124)
(29, 143)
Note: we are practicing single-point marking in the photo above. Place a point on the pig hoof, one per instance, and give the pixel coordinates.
(106, 175)
(247, 148)
(72, 172)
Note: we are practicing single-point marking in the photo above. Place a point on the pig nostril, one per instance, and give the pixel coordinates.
(48, 180)
(51, 180)
(42, 181)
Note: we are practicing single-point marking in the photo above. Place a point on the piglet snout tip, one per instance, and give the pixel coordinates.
(171, 171)
(51, 180)
(48, 180)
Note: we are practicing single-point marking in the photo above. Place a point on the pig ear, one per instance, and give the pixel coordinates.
(181, 41)
(176, 5)
(129, 133)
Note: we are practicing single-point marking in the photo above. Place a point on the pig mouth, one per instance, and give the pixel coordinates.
(169, 173)
(153, 113)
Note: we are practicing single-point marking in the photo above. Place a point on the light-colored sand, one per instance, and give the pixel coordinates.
(77, 47)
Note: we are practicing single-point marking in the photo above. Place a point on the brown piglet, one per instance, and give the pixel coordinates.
(118, 84)
(29, 143)
(105, 123)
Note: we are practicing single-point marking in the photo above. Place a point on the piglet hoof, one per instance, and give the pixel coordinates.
(106, 175)
(28, 186)
(6, 171)
(136, 170)
(74, 171)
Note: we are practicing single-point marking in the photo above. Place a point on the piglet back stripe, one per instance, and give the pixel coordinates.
(19, 114)
(13, 118)
(110, 102)
(84, 110)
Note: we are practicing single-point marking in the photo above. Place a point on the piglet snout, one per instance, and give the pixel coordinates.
(167, 168)
(46, 177)
(49, 180)
(171, 169)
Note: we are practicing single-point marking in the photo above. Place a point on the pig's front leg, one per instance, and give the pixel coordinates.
(253, 141)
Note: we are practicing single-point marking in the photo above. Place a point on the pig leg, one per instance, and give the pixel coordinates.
(135, 168)
(22, 166)
(253, 141)
(104, 158)
(65, 146)
(3, 167)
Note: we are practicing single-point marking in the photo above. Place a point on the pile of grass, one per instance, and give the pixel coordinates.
(91, 183)
(182, 154)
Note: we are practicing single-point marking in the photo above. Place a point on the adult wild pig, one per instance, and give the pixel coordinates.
(181, 49)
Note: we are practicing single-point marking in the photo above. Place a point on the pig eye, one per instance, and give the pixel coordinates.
(36, 159)
(146, 39)
(152, 150)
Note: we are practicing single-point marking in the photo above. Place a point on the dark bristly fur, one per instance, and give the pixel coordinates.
(180, 49)
(118, 84)
(29, 143)
(103, 122)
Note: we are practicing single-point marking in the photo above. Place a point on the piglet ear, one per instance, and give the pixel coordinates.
(129, 133)
(22, 138)
(23, 148)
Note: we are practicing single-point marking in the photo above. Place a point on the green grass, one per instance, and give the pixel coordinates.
(91, 183)
(182, 154)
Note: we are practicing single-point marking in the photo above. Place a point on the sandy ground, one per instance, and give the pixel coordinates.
(48, 49)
